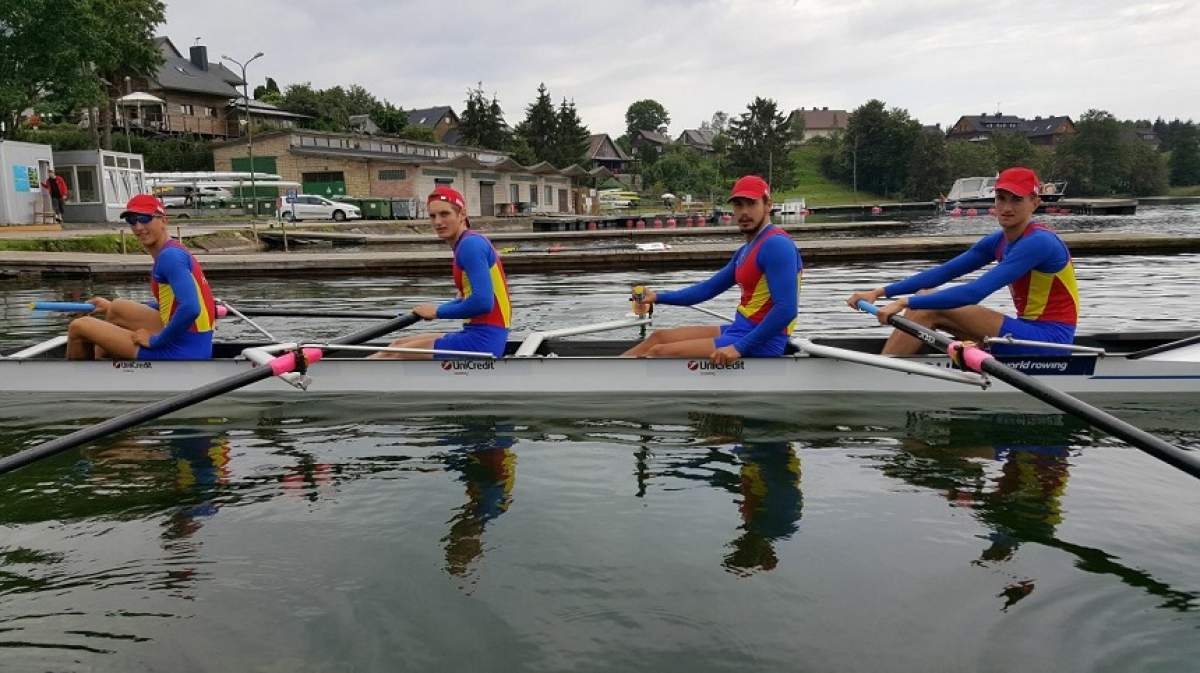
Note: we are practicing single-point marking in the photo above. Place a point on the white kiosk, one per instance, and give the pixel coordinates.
(23, 167)
(101, 183)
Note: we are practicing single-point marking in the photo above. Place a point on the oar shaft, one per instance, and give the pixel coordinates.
(1184, 460)
(132, 418)
(63, 306)
(311, 313)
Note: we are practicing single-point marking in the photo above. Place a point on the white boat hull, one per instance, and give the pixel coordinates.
(1173, 373)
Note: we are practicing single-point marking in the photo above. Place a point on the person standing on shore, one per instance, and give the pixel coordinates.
(57, 187)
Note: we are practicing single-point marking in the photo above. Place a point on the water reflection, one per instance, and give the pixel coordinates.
(955, 455)
(763, 474)
(484, 461)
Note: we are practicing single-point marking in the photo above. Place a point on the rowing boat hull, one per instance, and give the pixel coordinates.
(800, 374)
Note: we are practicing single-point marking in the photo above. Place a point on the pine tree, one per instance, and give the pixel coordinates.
(540, 126)
(571, 136)
(759, 143)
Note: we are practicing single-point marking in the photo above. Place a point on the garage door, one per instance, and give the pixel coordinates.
(327, 184)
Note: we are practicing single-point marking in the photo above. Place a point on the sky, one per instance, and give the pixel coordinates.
(938, 59)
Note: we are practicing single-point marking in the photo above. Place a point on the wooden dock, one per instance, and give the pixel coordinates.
(437, 262)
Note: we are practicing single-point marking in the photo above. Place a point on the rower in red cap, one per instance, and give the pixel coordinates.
(1033, 262)
(176, 325)
(768, 270)
(482, 288)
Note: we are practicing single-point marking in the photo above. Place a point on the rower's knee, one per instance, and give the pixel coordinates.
(78, 327)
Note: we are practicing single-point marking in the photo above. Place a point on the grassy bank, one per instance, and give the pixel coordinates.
(1193, 190)
(818, 190)
(109, 243)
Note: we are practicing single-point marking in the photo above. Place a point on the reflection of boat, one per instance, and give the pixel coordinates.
(980, 192)
(547, 364)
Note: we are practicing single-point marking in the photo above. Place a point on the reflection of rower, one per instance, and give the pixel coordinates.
(1024, 503)
(767, 481)
(487, 465)
(771, 503)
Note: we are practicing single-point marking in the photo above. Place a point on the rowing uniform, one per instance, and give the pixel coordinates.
(482, 299)
(1036, 268)
(185, 307)
(768, 269)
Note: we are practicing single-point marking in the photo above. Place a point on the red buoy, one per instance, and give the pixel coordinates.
(641, 224)
(657, 223)
(671, 223)
(876, 210)
(971, 212)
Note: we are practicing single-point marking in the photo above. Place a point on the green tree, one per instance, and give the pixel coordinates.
(73, 53)
(418, 133)
(570, 136)
(682, 170)
(1091, 160)
(928, 168)
(646, 115)
(1013, 149)
(970, 159)
(482, 122)
(1146, 173)
(389, 118)
(540, 125)
(876, 147)
(759, 144)
(1185, 156)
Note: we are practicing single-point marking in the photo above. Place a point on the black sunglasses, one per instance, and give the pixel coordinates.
(134, 219)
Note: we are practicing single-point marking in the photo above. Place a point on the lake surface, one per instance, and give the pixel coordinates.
(847, 534)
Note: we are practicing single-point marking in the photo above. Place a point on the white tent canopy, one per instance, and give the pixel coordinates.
(140, 98)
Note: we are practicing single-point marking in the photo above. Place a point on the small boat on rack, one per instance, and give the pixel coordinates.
(548, 363)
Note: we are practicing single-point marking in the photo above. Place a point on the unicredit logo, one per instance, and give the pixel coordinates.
(706, 366)
(468, 365)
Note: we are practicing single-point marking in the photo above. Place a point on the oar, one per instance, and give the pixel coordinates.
(277, 366)
(222, 311)
(63, 306)
(980, 360)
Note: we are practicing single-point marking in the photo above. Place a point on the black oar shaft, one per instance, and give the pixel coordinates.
(1187, 461)
(132, 418)
(311, 313)
(177, 402)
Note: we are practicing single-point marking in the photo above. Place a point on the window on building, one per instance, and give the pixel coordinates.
(87, 192)
(533, 194)
(187, 109)
(443, 181)
(515, 191)
(549, 195)
(393, 174)
(210, 112)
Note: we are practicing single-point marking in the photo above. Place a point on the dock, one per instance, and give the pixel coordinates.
(1080, 206)
(437, 262)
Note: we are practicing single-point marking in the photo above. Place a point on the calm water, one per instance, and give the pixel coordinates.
(658, 535)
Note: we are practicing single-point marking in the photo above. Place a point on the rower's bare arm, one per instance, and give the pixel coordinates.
(100, 303)
(647, 299)
(869, 296)
(426, 311)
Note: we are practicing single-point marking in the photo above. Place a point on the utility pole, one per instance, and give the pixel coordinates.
(249, 130)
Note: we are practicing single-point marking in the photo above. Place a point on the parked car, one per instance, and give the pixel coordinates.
(188, 196)
(310, 207)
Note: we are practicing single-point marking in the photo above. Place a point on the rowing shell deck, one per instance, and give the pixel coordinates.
(1135, 364)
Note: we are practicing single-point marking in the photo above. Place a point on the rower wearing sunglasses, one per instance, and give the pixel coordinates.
(176, 325)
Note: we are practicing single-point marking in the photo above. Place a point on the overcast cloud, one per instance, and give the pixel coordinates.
(938, 59)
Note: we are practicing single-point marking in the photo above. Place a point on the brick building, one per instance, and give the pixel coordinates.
(332, 164)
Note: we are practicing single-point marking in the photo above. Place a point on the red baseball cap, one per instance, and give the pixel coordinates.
(143, 204)
(750, 187)
(447, 194)
(1020, 181)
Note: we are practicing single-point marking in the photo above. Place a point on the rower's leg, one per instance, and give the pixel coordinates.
(673, 335)
(692, 348)
(415, 341)
(967, 322)
(132, 316)
(85, 336)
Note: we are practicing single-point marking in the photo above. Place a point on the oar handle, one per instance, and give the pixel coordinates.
(63, 306)
(864, 305)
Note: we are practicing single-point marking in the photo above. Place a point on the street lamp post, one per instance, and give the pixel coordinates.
(249, 129)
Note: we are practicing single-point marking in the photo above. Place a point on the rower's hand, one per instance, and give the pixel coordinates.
(870, 296)
(647, 300)
(426, 311)
(725, 355)
(885, 314)
(100, 303)
(140, 338)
